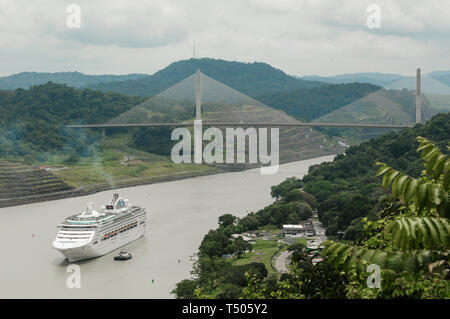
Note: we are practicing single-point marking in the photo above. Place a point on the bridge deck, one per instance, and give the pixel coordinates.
(238, 125)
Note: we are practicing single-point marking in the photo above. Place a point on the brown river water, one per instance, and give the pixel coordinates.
(180, 214)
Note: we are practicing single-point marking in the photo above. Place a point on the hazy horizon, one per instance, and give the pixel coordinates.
(162, 67)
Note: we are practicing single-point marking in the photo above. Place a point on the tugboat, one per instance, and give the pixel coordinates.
(123, 255)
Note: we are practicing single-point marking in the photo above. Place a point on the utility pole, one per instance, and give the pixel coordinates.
(418, 97)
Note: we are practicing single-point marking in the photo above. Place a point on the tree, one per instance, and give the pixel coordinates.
(239, 247)
(230, 291)
(355, 172)
(214, 244)
(321, 189)
(297, 248)
(249, 222)
(354, 230)
(205, 270)
(185, 289)
(33, 121)
(154, 140)
(431, 190)
(72, 159)
(416, 240)
(285, 187)
(303, 281)
(226, 220)
(297, 195)
(236, 274)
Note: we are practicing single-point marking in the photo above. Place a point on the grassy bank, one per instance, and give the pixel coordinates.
(263, 250)
(117, 161)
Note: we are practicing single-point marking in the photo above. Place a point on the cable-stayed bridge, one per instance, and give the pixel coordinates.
(201, 98)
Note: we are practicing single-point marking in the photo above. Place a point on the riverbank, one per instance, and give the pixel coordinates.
(95, 188)
(180, 213)
(115, 184)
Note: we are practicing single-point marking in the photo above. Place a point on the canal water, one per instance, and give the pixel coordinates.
(180, 214)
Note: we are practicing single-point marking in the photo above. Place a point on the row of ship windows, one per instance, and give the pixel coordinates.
(69, 237)
(120, 230)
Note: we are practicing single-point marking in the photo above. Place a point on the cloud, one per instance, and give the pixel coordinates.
(300, 37)
(145, 24)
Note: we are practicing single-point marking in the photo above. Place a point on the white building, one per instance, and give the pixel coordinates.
(245, 238)
(293, 230)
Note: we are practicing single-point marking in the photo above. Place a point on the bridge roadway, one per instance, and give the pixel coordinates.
(103, 126)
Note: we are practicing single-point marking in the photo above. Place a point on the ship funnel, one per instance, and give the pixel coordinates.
(115, 198)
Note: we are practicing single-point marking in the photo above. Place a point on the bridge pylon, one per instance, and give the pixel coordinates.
(418, 97)
(198, 97)
(198, 132)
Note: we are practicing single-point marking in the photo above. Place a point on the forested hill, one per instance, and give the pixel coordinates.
(33, 120)
(60, 104)
(382, 79)
(375, 78)
(25, 80)
(347, 188)
(311, 103)
(253, 79)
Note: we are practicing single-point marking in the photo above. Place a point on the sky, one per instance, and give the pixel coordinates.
(300, 37)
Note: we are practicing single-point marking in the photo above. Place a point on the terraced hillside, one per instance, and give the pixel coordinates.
(18, 180)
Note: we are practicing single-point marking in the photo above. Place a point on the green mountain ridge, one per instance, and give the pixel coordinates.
(253, 79)
(25, 80)
(436, 82)
(374, 78)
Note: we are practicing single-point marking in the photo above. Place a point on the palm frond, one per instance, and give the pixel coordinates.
(411, 233)
(348, 256)
(424, 193)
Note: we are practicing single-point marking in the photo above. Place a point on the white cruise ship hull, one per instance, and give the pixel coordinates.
(79, 243)
(88, 250)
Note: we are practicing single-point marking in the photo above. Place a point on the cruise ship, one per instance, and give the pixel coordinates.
(95, 233)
